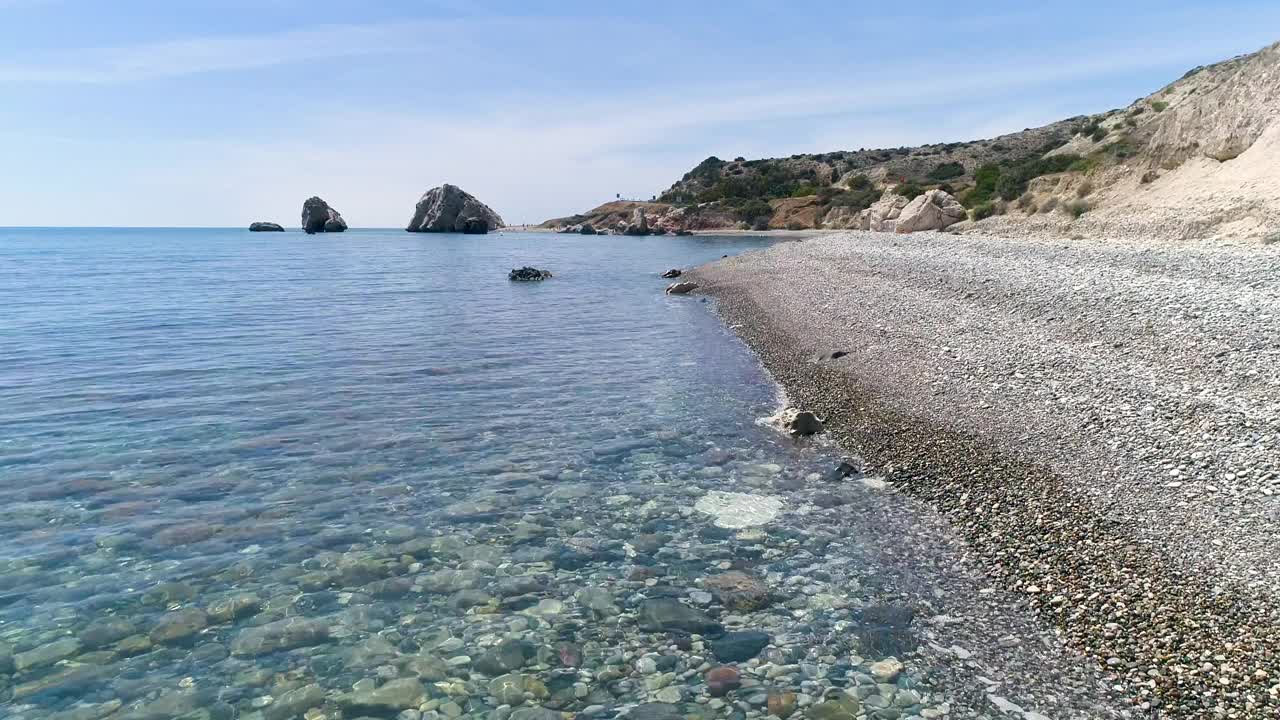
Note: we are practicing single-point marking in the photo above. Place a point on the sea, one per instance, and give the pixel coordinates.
(276, 476)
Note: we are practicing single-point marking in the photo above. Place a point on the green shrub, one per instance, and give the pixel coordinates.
(946, 171)
(983, 211)
(859, 182)
(910, 190)
(856, 199)
(754, 209)
(804, 190)
(760, 224)
(1076, 208)
(1085, 188)
(1098, 134)
(1159, 105)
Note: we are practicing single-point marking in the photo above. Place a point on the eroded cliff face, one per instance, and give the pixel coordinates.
(1218, 111)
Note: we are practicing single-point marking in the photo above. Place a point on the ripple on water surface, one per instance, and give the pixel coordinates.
(365, 475)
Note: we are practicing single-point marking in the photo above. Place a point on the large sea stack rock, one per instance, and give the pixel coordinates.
(933, 210)
(318, 217)
(265, 227)
(449, 208)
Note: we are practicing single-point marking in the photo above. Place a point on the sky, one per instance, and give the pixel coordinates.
(216, 113)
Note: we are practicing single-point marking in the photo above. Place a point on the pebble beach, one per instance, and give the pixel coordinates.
(1097, 421)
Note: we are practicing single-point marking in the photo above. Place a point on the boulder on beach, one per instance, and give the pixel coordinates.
(797, 422)
(883, 214)
(265, 227)
(528, 274)
(672, 273)
(681, 288)
(318, 217)
(449, 208)
(933, 210)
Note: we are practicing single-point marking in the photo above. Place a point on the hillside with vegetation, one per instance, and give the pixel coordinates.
(1140, 169)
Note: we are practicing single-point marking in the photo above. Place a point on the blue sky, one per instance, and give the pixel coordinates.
(220, 112)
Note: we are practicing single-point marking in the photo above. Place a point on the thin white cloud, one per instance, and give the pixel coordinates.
(176, 58)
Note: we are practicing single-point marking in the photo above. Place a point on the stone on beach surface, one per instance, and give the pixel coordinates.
(279, 635)
(664, 614)
(932, 210)
(842, 707)
(681, 288)
(739, 646)
(318, 217)
(389, 699)
(265, 227)
(739, 591)
(723, 680)
(46, 654)
(528, 274)
(449, 208)
(739, 510)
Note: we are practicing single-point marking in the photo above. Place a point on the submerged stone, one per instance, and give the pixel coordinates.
(665, 614)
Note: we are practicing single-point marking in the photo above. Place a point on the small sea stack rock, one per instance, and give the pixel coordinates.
(318, 217)
(265, 227)
(449, 208)
(528, 274)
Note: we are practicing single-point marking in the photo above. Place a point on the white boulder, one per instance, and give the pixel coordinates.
(933, 210)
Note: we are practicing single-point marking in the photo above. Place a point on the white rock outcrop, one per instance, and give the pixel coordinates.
(883, 214)
(932, 210)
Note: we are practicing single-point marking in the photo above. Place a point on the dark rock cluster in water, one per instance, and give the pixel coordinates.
(526, 274)
(265, 227)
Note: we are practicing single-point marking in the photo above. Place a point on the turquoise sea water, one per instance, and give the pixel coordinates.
(275, 476)
(188, 416)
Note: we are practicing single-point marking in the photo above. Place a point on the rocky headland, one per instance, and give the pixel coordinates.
(318, 217)
(450, 209)
(1197, 159)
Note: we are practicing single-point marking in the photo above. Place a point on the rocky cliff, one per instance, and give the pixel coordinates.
(449, 208)
(1199, 158)
(318, 217)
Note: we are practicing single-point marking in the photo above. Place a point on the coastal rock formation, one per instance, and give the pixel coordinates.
(681, 288)
(449, 208)
(639, 224)
(797, 422)
(528, 274)
(265, 227)
(672, 273)
(883, 214)
(318, 217)
(932, 210)
(587, 229)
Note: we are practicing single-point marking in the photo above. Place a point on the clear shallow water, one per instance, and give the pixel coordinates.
(209, 438)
